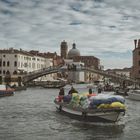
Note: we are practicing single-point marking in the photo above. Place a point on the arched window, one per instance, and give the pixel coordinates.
(15, 63)
(8, 63)
(15, 72)
(4, 63)
(3, 71)
(8, 73)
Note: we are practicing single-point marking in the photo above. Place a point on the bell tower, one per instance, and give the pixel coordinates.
(64, 49)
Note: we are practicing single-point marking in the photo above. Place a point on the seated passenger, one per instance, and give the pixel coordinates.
(99, 90)
(90, 91)
(72, 90)
(61, 92)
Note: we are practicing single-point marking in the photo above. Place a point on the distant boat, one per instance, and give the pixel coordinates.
(120, 91)
(53, 86)
(19, 88)
(6, 91)
(134, 95)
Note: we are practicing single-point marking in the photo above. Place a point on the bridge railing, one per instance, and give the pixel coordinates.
(42, 70)
(111, 75)
(52, 69)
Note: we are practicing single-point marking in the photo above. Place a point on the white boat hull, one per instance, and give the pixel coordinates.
(101, 116)
(134, 96)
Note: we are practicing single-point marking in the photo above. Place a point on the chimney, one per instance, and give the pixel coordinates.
(139, 43)
(135, 42)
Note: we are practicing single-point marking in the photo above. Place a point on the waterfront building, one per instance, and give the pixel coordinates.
(135, 73)
(73, 75)
(64, 49)
(17, 63)
(88, 61)
(73, 52)
(125, 72)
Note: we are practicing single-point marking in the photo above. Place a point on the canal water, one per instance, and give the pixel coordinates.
(31, 115)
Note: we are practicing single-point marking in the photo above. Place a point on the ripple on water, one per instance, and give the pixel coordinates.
(32, 115)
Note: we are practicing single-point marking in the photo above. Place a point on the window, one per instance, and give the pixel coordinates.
(15, 63)
(0, 71)
(15, 72)
(8, 72)
(18, 64)
(139, 62)
(0, 63)
(4, 63)
(21, 64)
(3, 55)
(8, 64)
(4, 72)
(29, 65)
(15, 55)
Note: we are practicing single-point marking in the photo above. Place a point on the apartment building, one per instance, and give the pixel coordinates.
(19, 62)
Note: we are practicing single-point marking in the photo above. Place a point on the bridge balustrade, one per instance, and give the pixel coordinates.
(55, 69)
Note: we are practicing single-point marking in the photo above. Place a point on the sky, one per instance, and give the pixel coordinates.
(102, 28)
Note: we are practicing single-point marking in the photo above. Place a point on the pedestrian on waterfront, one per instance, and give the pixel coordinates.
(72, 90)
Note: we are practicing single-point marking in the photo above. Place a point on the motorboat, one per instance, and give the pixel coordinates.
(120, 91)
(90, 115)
(134, 95)
(6, 91)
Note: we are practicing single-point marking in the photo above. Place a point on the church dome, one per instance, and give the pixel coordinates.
(73, 52)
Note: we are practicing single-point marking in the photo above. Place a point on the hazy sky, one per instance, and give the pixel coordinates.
(102, 28)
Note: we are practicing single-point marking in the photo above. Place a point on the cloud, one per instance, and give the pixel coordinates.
(106, 28)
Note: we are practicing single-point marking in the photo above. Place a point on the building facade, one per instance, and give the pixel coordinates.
(135, 73)
(17, 63)
(64, 49)
(88, 61)
(125, 72)
(73, 75)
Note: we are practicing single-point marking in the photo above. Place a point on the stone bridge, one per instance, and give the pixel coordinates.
(55, 69)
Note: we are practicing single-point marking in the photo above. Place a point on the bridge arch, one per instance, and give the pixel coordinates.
(54, 69)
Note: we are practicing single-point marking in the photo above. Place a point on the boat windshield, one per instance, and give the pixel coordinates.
(2, 87)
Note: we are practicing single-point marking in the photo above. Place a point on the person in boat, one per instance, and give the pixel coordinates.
(72, 90)
(90, 91)
(61, 92)
(99, 89)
